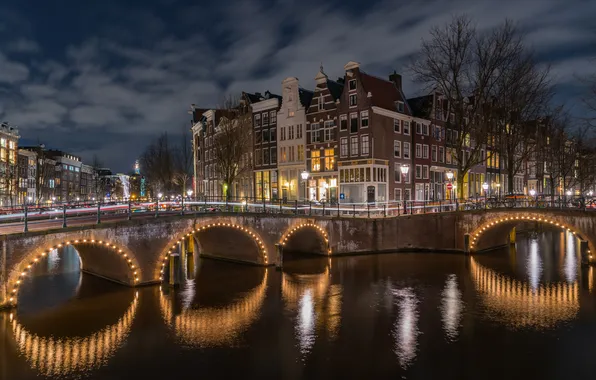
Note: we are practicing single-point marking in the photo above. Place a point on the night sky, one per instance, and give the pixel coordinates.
(90, 77)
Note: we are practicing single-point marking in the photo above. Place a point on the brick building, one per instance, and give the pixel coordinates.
(322, 147)
(264, 110)
(375, 138)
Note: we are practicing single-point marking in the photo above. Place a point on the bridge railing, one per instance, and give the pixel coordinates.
(88, 213)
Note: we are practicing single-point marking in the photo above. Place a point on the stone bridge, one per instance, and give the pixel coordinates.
(137, 252)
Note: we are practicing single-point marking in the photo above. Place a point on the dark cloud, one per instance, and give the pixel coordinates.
(115, 76)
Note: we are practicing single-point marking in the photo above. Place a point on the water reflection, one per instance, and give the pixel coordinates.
(451, 307)
(570, 264)
(317, 303)
(60, 356)
(534, 264)
(519, 304)
(405, 331)
(213, 326)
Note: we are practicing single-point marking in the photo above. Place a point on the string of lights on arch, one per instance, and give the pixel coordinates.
(486, 226)
(41, 255)
(293, 230)
(254, 236)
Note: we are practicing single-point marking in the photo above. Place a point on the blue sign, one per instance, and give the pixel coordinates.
(342, 196)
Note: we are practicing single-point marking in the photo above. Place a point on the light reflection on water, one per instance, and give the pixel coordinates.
(406, 330)
(451, 307)
(432, 312)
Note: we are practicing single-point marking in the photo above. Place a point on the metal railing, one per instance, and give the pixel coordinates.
(89, 212)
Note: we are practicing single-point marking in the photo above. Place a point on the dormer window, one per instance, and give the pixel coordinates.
(290, 113)
(400, 107)
(352, 84)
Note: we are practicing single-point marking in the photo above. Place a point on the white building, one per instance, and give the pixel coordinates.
(291, 139)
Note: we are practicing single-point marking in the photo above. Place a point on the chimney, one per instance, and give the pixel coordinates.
(396, 78)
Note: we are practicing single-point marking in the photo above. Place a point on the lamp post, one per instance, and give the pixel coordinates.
(304, 175)
(450, 179)
(159, 195)
(498, 185)
(26, 227)
(405, 168)
(485, 187)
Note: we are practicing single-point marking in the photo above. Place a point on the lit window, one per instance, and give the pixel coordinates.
(315, 160)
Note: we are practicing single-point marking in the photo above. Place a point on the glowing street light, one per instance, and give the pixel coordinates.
(189, 193)
(405, 168)
(485, 186)
(304, 175)
(533, 192)
(450, 175)
(568, 193)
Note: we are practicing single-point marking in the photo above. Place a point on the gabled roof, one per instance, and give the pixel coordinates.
(305, 97)
(421, 106)
(385, 93)
(335, 89)
(258, 97)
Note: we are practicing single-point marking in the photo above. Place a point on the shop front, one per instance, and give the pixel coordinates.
(323, 188)
(363, 181)
(266, 184)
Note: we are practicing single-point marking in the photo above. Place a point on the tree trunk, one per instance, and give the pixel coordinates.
(510, 177)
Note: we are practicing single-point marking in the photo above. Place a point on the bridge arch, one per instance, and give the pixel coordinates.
(288, 238)
(493, 230)
(59, 356)
(87, 249)
(259, 243)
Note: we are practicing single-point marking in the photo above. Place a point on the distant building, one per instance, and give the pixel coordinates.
(87, 182)
(9, 138)
(68, 174)
(27, 175)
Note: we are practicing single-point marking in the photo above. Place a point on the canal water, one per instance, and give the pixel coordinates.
(520, 313)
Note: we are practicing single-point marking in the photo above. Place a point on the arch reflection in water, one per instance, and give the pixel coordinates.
(63, 356)
(317, 303)
(451, 307)
(405, 330)
(213, 326)
(520, 304)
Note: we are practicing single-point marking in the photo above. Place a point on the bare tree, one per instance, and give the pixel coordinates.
(465, 66)
(99, 182)
(585, 163)
(558, 151)
(521, 97)
(157, 162)
(232, 143)
(183, 162)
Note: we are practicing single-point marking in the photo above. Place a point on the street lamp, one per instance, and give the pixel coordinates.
(590, 193)
(405, 168)
(498, 189)
(304, 175)
(189, 193)
(159, 195)
(568, 193)
(533, 193)
(485, 187)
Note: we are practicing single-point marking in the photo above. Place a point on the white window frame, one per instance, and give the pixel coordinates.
(418, 150)
(354, 152)
(347, 147)
(363, 145)
(364, 116)
(396, 123)
(398, 144)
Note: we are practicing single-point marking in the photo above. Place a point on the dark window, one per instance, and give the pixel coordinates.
(354, 123)
(343, 123)
(353, 100)
(352, 84)
(265, 135)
